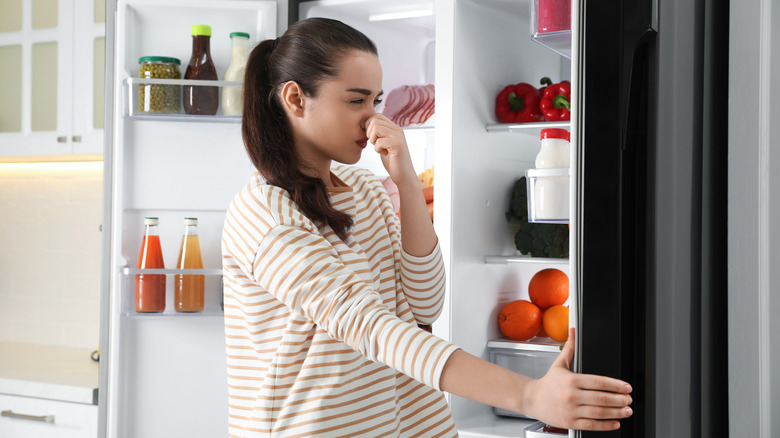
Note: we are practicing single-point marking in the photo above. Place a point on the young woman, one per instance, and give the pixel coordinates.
(325, 286)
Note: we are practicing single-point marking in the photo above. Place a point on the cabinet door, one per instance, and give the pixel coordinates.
(27, 417)
(88, 76)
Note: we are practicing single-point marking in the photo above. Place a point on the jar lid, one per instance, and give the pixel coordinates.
(158, 59)
(554, 133)
(201, 29)
(190, 221)
(151, 221)
(239, 34)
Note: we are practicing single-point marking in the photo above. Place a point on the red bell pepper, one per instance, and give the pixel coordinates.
(518, 103)
(556, 102)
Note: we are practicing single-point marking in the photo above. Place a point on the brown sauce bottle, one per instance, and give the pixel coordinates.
(198, 99)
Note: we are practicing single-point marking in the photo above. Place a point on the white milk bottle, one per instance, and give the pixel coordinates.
(551, 178)
(231, 95)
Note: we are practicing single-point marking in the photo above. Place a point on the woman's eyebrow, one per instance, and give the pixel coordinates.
(364, 91)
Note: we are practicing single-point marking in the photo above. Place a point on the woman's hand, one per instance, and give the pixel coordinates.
(390, 142)
(578, 401)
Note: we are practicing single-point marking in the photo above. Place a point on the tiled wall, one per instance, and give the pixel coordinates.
(50, 249)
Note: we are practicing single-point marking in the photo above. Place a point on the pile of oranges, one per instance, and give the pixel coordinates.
(544, 315)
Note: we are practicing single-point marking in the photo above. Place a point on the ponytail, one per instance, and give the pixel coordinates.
(307, 54)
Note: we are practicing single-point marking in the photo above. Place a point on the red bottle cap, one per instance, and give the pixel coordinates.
(555, 133)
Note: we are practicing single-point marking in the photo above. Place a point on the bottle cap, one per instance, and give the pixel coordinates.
(151, 221)
(158, 59)
(190, 221)
(554, 133)
(239, 34)
(201, 29)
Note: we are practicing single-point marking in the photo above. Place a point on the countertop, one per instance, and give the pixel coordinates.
(55, 373)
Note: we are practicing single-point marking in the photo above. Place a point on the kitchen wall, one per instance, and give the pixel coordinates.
(50, 245)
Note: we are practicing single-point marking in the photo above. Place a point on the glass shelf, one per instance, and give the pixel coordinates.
(212, 292)
(526, 128)
(505, 260)
(534, 344)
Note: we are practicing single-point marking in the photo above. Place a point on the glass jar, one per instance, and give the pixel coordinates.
(231, 96)
(159, 98)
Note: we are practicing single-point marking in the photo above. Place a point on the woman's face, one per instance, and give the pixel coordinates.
(333, 124)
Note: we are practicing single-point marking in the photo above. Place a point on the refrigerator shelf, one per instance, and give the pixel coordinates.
(525, 128)
(505, 260)
(132, 92)
(533, 344)
(208, 271)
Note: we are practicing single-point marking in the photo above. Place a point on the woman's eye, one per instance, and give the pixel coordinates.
(377, 101)
(357, 101)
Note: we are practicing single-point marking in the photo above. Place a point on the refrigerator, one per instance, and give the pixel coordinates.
(645, 153)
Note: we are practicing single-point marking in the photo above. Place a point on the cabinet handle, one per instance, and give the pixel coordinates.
(41, 418)
(76, 139)
(62, 139)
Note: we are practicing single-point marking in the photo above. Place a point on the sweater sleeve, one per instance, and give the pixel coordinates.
(302, 270)
(423, 283)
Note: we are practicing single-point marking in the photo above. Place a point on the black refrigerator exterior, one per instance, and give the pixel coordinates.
(652, 162)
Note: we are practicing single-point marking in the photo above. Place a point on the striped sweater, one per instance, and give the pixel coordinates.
(321, 334)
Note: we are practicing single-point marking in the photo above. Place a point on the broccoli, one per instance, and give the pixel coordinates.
(538, 240)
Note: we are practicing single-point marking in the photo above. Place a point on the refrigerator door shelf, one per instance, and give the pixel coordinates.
(536, 430)
(529, 359)
(212, 288)
(138, 88)
(526, 128)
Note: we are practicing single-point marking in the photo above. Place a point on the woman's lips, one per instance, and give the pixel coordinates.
(362, 143)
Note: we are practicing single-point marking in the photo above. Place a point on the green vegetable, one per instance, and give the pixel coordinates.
(538, 240)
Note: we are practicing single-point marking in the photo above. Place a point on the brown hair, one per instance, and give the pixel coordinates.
(307, 53)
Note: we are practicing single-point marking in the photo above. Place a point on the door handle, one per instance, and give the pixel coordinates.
(41, 418)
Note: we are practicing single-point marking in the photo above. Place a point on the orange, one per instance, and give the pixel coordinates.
(520, 320)
(556, 323)
(549, 287)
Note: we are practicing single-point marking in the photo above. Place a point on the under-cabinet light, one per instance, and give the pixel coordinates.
(400, 15)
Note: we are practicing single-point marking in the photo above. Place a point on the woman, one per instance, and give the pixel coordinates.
(324, 288)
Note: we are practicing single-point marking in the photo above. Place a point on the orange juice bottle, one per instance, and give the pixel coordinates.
(189, 292)
(150, 288)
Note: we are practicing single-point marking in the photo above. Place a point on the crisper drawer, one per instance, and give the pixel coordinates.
(528, 359)
(23, 417)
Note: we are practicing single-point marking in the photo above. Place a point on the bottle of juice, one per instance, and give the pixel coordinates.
(150, 288)
(188, 296)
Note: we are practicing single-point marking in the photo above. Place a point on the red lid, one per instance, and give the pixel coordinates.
(555, 133)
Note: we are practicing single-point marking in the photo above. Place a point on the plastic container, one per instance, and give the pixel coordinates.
(232, 103)
(159, 98)
(533, 360)
(150, 288)
(554, 150)
(201, 100)
(551, 24)
(548, 195)
(189, 288)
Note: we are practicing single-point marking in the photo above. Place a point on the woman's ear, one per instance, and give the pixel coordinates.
(292, 98)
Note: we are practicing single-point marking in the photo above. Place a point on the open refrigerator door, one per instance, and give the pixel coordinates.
(163, 374)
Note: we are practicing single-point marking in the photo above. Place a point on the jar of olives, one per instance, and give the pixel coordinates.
(159, 98)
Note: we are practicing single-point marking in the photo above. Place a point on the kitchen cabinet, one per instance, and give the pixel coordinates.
(34, 417)
(52, 52)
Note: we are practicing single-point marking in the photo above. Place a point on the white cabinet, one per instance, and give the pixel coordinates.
(52, 54)
(22, 417)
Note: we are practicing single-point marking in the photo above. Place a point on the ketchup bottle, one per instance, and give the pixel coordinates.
(150, 288)
(199, 99)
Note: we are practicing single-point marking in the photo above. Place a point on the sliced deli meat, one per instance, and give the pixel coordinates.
(410, 104)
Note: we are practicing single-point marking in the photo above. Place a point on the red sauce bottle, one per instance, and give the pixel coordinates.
(198, 99)
(150, 288)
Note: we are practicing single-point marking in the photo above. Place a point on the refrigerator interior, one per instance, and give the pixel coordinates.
(167, 370)
(470, 49)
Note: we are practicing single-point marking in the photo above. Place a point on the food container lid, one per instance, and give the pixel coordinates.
(143, 59)
(201, 29)
(190, 221)
(151, 221)
(239, 34)
(555, 171)
(554, 133)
